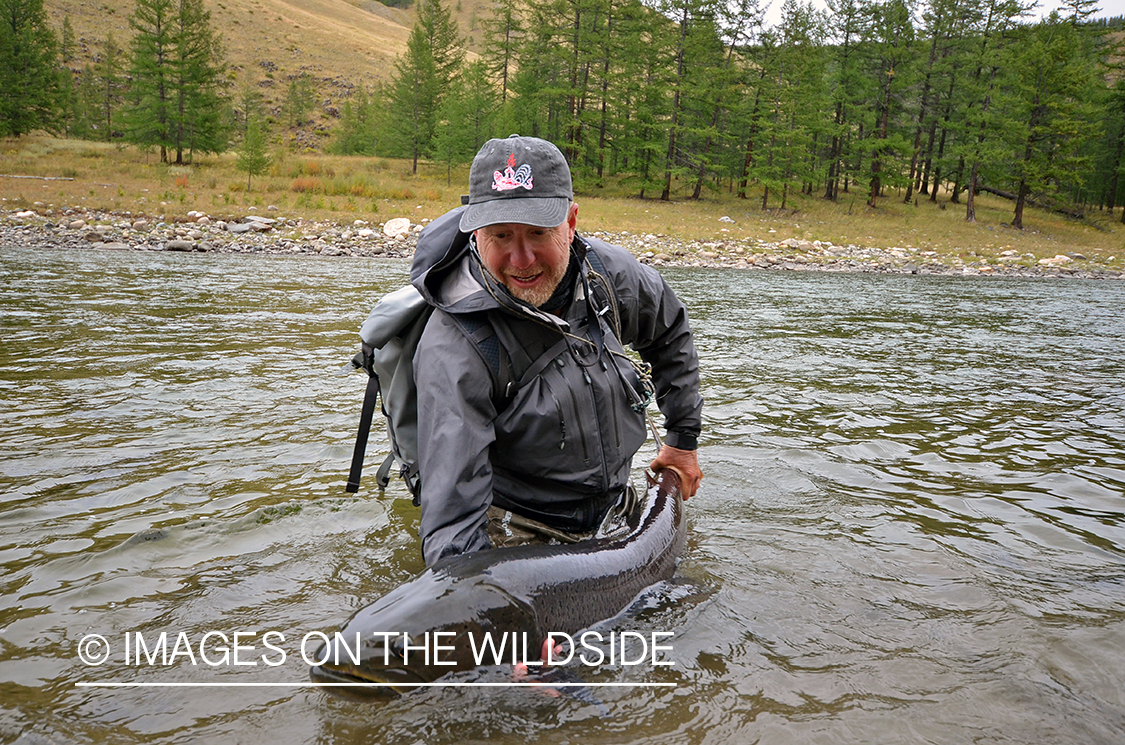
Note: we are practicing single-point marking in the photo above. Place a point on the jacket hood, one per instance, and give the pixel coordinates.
(441, 246)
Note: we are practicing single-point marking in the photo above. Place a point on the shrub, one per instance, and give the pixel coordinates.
(305, 184)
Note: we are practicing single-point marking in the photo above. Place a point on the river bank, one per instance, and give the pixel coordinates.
(275, 233)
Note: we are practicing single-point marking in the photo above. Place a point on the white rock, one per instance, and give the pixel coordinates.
(1056, 260)
(396, 227)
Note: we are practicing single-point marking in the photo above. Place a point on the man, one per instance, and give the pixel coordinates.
(528, 407)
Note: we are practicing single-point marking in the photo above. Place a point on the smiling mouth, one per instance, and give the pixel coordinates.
(525, 279)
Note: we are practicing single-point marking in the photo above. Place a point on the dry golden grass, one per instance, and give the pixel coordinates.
(342, 189)
(338, 43)
(939, 227)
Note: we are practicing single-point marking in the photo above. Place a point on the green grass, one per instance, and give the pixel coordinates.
(343, 189)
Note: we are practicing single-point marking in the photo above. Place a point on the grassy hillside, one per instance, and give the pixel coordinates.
(340, 44)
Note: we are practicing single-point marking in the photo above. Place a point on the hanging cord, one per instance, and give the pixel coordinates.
(642, 369)
(527, 311)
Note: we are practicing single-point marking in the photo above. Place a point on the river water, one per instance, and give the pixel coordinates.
(910, 530)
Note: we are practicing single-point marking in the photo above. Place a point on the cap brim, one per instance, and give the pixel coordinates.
(542, 212)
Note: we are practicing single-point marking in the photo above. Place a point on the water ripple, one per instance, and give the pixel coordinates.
(912, 526)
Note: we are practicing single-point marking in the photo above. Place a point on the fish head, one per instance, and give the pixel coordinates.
(436, 624)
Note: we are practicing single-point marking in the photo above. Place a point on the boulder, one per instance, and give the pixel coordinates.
(396, 227)
(1056, 261)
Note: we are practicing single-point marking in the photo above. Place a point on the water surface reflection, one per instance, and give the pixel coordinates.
(911, 527)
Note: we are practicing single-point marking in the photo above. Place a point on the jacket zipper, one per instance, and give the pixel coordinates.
(598, 422)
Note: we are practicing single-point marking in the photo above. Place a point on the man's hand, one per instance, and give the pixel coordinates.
(683, 462)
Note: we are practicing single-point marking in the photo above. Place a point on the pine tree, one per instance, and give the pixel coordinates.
(953, 26)
(851, 90)
(300, 97)
(503, 30)
(253, 155)
(533, 105)
(357, 132)
(639, 100)
(69, 104)
(466, 117)
(415, 97)
(1052, 116)
(198, 68)
(1079, 11)
(110, 89)
(893, 34)
(84, 109)
(29, 76)
(694, 61)
(1113, 157)
(148, 120)
(176, 70)
(741, 23)
(422, 76)
(979, 121)
(790, 91)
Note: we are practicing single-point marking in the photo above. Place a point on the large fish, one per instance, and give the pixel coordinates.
(516, 595)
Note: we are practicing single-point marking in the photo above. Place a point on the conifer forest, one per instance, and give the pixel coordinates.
(665, 99)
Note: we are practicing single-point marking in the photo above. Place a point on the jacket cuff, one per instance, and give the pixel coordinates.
(681, 440)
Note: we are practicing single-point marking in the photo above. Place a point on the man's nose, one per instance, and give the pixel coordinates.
(521, 255)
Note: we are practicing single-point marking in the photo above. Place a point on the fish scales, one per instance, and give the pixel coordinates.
(530, 590)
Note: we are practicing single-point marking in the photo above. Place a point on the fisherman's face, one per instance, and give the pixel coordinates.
(528, 260)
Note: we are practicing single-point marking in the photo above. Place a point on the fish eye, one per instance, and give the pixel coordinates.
(398, 646)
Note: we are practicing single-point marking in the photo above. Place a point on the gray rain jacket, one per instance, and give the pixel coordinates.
(557, 444)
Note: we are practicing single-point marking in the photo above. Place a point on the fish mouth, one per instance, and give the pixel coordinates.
(369, 684)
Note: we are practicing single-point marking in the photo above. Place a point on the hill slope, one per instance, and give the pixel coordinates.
(267, 42)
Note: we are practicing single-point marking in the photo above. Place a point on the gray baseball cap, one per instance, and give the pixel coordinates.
(518, 179)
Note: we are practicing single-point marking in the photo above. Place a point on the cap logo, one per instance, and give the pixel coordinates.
(512, 176)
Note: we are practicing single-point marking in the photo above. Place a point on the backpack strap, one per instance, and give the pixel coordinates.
(496, 344)
(494, 339)
(599, 279)
(366, 414)
(481, 330)
(522, 361)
